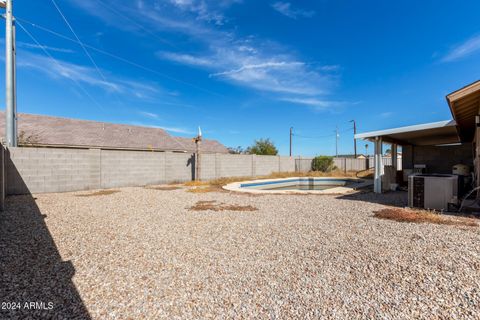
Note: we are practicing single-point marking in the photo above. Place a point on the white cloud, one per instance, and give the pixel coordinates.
(386, 114)
(259, 69)
(263, 65)
(287, 10)
(58, 69)
(184, 58)
(149, 114)
(464, 49)
(249, 61)
(317, 104)
(205, 10)
(48, 48)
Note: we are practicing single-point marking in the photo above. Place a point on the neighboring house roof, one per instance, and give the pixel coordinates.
(64, 132)
(212, 146)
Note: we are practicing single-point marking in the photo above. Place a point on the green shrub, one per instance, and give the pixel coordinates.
(263, 147)
(323, 163)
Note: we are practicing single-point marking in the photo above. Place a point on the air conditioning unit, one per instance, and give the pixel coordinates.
(432, 191)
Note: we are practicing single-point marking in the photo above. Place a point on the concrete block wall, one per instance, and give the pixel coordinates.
(235, 165)
(287, 164)
(179, 167)
(303, 164)
(349, 164)
(131, 168)
(37, 170)
(208, 164)
(264, 165)
(51, 170)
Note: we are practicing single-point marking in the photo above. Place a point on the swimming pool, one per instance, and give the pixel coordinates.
(299, 185)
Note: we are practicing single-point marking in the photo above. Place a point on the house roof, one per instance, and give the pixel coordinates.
(464, 105)
(212, 146)
(64, 132)
(433, 133)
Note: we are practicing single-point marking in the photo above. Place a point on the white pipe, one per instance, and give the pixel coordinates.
(468, 195)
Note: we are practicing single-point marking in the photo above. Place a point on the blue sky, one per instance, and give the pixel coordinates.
(244, 69)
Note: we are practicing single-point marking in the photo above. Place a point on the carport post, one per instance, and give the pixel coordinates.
(377, 182)
(394, 151)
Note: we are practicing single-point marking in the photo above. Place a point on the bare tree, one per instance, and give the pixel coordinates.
(27, 139)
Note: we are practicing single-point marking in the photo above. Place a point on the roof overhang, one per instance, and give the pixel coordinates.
(464, 105)
(435, 133)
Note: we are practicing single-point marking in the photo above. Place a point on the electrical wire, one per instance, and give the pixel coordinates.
(316, 137)
(79, 41)
(118, 13)
(112, 55)
(55, 61)
(323, 136)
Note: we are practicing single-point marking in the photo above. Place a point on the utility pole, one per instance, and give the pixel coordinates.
(198, 141)
(10, 94)
(291, 133)
(354, 140)
(336, 142)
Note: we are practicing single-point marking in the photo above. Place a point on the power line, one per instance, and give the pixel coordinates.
(80, 42)
(311, 137)
(58, 64)
(153, 34)
(99, 71)
(322, 136)
(112, 55)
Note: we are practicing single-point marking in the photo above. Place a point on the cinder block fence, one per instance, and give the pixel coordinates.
(37, 170)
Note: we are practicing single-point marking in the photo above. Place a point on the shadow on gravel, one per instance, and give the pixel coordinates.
(34, 281)
(391, 198)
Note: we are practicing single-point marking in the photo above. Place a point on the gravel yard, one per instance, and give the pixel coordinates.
(142, 253)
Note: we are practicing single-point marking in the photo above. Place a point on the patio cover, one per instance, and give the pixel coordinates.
(464, 105)
(434, 133)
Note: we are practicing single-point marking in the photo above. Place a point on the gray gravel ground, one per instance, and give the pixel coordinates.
(141, 253)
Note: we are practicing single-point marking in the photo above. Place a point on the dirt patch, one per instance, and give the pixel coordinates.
(163, 188)
(196, 183)
(422, 216)
(204, 189)
(98, 193)
(220, 206)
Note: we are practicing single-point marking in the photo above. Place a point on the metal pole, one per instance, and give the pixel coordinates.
(336, 142)
(14, 47)
(198, 141)
(291, 128)
(355, 140)
(197, 161)
(9, 79)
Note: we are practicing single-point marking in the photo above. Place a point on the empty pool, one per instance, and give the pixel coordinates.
(299, 185)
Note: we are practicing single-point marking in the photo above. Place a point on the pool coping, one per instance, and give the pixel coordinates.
(237, 186)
